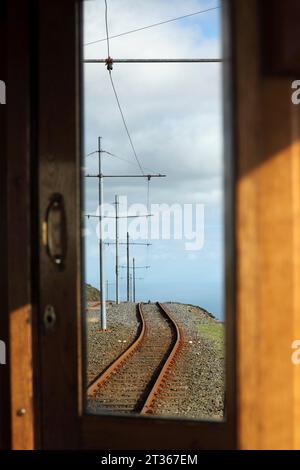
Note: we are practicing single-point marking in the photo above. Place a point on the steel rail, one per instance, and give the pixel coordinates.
(159, 383)
(104, 376)
(121, 360)
(95, 304)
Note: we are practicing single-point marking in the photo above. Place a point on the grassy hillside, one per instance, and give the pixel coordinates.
(91, 293)
(214, 332)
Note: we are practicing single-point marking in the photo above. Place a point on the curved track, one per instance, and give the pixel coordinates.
(132, 383)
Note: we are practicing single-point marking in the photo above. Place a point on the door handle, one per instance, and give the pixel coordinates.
(55, 230)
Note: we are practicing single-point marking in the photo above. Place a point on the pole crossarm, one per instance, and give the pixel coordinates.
(137, 278)
(127, 176)
(127, 216)
(130, 243)
(152, 61)
(130, 278)
(119, 217)
(137, 267)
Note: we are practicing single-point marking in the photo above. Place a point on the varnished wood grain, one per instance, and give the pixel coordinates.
(140, 433)
(296, 258)
(64, 422)
(268, 245)
(280, 47)
(5, 430)
(100, 432)
(19, 227)
(59, 172)
(267, 228)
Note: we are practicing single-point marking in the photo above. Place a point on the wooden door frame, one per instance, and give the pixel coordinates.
(5, 430)
(59, 149)
(18, 309)
(43, 53)
(48, 52)
(64, 423)
(267, 223)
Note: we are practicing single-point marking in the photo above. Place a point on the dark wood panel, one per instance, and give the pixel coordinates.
(59, 172)
(19, 225)
(268, 236)
(117, 433)
(268, 239)
(4, 370)
(280, 46)
(150, 433)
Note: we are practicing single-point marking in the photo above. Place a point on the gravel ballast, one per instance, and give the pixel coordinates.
(196, 382)
(103, 347)
(127, 389)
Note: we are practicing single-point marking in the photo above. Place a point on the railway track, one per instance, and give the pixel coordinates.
(133, 382)
(93, 305)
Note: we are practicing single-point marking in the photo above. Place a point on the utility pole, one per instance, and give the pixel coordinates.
(128, 267)
(117, 248)
(128, 263)
(133, 278)
(101, 177)
(127, 243)
(136, 279)
(101, 247)
(106, 289)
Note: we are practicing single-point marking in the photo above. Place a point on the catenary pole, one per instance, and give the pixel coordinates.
(117, 248)
(101, 246)
(133, 276)
(100, 216)
(128, 269)
(130, 287)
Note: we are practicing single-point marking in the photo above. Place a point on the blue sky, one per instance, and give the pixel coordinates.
(174, 113)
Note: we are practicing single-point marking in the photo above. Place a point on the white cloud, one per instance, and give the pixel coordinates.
(173, 111)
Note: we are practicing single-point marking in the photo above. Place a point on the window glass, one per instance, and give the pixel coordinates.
(153, 208)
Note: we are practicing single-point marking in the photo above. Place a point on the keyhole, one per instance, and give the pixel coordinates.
(49, 317)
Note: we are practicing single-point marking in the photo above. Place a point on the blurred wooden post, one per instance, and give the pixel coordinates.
(267, 224)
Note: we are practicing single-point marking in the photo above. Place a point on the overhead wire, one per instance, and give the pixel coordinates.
(153, 25)
(106, 26)
(91, 153)
(116, 94)
(124, 122)
(127, 161)
(119, 158)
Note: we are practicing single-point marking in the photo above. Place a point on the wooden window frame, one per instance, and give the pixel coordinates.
(77, 428)
(5, 430)
(49, 49)
(18, 309)
(41, 155)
